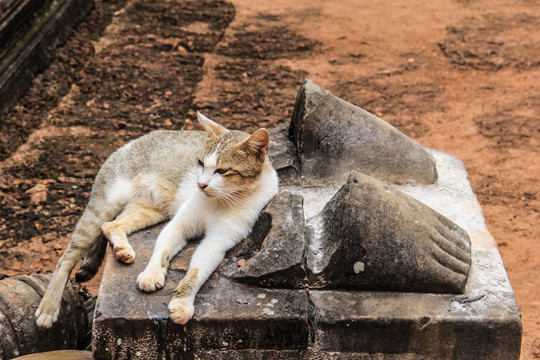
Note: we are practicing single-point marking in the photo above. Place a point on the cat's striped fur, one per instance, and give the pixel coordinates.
(212, 183)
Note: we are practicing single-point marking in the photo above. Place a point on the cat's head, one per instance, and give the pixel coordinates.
(231, 162)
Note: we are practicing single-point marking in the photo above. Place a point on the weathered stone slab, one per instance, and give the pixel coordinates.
(483, 323)
(371, 236)
(228, 315)
(333, 137)
(235, 320)
(431, 326)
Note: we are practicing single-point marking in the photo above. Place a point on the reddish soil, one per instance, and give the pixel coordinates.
(459, 76)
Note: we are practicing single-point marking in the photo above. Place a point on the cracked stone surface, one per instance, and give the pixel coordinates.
(280, 260)
(228, 315)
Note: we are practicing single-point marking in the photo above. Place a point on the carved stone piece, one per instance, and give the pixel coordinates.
(371, 236)
(282, 153)
(333, 137)
(19, 333)
(279, 262)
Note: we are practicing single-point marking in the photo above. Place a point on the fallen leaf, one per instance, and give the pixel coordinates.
(38, 193)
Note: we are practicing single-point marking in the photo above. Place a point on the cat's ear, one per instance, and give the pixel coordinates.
(211, 127)
(257, 144)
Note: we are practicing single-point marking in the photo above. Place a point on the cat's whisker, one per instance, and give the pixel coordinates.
(235, 196)
(239, 192)
(227, 201)
(225, 198)
(235, 201)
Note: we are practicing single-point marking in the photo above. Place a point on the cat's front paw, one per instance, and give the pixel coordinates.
(151, 280)
(181, 310)
(125, 253)
(46, 314)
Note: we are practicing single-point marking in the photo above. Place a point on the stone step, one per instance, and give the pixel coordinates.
(228, 315)
(30, 31)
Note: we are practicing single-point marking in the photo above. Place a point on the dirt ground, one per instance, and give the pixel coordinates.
(460, 76)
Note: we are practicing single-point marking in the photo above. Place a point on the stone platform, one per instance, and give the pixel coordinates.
(237, 321)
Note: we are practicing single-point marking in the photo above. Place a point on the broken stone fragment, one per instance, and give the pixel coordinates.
(19, 333)
(370, 236)
(282, 153)
(279, 262)
(333, 137)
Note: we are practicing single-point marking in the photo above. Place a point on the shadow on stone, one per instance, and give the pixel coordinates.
(371, 236)
(333, 137)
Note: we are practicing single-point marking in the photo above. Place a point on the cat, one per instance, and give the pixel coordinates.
(214, 184)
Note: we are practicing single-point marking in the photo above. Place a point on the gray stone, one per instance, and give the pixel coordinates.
(280, 259)
(228, 315)
(333, 137)
(428, 325)
(371, 236)
(483, 323)
(282, 153)
(19, 333)
(236, 320)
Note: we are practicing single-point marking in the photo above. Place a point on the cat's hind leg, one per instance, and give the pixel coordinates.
(138, 214)
(85, 234)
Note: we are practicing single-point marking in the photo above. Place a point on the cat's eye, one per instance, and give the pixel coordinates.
(200, 162)
(222, 171)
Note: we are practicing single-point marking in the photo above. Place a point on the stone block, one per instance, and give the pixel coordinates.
(371, 236)
(228, 315)
(483, 323)
(333, 137)
(282, 153)
(280, 260)
(242, 320)
(427, 325)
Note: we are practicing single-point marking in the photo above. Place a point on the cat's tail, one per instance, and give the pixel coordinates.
(92, 260)
(86, 241)
(95, 215)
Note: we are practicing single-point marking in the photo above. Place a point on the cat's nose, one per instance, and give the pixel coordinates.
(202, 186)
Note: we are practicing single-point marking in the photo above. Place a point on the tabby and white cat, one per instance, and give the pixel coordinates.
(213, 184)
